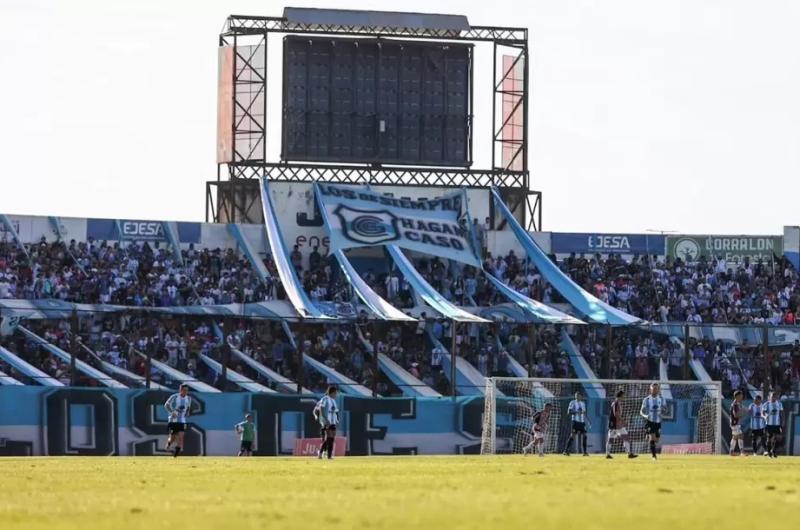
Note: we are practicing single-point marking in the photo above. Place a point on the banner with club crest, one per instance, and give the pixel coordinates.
(359, 217)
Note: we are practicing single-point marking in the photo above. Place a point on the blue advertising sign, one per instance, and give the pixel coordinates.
(608, 244)
(136, 230)
(134, 422)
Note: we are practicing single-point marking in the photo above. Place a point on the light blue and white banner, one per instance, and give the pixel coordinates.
(427, 292)
(359, 217)
(378, 305)
(288, 275)
(538, 311)
(585, 303)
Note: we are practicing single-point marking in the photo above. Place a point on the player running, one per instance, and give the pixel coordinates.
(617, 428)
(327, 413)
(773, 414)
(577, 411)
(540, 421)
(757, 424)
(178, 407)
(736, 426)
(653, 407)
(247, 432)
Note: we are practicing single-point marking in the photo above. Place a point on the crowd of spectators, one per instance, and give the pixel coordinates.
(656, 289)
(709, 291)
(134, 274)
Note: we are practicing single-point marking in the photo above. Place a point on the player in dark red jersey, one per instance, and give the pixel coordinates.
(617, 427)
(540, 421)
(736, 413)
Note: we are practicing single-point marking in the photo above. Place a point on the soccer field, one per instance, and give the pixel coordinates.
(400, 492)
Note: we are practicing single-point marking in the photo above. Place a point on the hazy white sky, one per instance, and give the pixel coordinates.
(674, 114)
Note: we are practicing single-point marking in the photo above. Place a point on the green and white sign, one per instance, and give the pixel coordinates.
(691, 248)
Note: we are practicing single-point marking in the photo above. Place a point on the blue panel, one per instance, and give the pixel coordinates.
(608, 244)
(426, 425)
(380, 19)
(139, 230)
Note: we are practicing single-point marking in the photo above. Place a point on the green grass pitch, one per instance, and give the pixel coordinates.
(468, 492)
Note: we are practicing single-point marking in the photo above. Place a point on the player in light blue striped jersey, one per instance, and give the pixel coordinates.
(580, 419)
(178, 406)
(653, 407)
(327, 413)
(773, 414)
(757, 424)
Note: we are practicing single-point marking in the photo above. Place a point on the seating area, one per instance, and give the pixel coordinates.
(144, 274)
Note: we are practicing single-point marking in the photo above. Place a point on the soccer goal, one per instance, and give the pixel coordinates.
(691, 423)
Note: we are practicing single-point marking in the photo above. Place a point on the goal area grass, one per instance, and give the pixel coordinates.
(437, 493)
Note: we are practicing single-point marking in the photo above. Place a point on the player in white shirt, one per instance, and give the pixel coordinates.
(327, 414)
(757, 424)
(736, 413)
(653, 407)
(617, 427)
(540, 422)
(580, 419)
(773, 414)
(178, 407)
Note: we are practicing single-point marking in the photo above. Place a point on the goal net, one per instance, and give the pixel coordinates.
(690, 425)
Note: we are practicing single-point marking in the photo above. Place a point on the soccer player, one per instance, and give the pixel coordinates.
(246, 431)
(617, 428)
(736, 427)
(653, 406)
(540, 420)
(327, 413)
(773, 414)
(577, 411)
(757, 424)
(178, 407)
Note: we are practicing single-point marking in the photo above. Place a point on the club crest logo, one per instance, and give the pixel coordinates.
(687, 249)
(369, 227)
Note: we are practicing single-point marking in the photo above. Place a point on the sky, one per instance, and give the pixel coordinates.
(671, 115)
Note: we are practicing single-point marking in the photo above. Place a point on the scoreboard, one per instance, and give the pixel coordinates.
(377, 101)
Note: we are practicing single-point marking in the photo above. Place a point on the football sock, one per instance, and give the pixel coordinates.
(653, 448)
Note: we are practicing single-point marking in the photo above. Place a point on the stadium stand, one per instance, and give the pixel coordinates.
(144, 274)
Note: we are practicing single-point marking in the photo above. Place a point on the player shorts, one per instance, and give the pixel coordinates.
(773, 430)
(176, 427)
(330, 430)
(757, 433)
(617, 433)
(653, 428)
(246, 446)
(736, 430)
(578, 427)
(538, 435)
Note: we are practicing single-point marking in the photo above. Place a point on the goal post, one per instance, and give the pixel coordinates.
(692, 422)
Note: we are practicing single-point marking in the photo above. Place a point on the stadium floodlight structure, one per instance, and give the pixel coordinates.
(692, 423)
(332, 145)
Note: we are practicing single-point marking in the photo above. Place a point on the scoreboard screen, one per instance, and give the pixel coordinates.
(377, 101)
